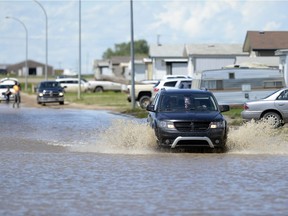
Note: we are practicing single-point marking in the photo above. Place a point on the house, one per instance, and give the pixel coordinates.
(167, 60)
(119, 68)
(265, 43)
(102, 68)
(110, 68)
(211, 56)
(139, 68)
(34, 68)
(269, 43)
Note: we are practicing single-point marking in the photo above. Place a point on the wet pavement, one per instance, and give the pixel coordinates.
(85, 162)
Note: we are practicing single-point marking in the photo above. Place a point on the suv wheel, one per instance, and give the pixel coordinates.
(144, 101)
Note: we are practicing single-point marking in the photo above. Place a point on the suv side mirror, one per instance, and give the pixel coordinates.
(150, 108)
(224, 108)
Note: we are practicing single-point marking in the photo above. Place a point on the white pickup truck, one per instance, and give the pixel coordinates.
(143, 94)
(100, 86)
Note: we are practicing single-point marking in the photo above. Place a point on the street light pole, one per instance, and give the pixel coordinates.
(132, 57)
(46, 20)
(26, 62)
(79, 72)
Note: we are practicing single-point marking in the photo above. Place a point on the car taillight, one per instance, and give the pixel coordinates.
(246, 107)
(156, 89)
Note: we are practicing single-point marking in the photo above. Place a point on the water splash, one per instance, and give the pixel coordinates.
(258, 138)
(131, 137)
(123, 137)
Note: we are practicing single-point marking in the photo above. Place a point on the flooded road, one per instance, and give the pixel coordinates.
(85, 162)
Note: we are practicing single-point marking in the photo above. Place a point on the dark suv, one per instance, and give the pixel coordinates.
(50, 92)
(186, 118)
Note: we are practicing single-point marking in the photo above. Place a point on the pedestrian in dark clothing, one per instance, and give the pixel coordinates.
(7, 94)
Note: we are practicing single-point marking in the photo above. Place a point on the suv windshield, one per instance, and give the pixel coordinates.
(190, 102)
(50, 85)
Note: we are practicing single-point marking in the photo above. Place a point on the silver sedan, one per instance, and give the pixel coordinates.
(273, 108)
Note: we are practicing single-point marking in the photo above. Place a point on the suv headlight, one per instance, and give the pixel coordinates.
(220, 124)
(61, 94)
(40, 94)
(166, 125)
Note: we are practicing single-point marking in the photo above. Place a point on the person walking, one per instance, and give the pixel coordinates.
(16, 89)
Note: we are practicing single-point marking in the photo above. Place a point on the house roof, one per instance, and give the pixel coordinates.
(271, 61)
(265, 40)
(214, 49)
(120, 59)
(124, 59)
(31, 64)
(166, 50)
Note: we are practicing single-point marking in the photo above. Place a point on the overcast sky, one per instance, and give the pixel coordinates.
(107, 22)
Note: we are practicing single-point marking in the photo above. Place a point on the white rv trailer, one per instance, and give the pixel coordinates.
(237, 85)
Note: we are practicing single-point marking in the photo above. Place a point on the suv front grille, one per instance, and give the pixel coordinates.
(191, 126)
(50, 94)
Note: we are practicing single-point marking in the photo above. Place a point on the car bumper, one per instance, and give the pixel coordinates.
(210, 138)
(249, 115)
(50, 100)
(3, 98)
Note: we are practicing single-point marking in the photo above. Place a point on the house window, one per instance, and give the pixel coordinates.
(231, 75)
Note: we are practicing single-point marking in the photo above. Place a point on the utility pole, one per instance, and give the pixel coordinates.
(132, 58)
(46, 43)
(79, 72)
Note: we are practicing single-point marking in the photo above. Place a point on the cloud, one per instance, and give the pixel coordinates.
(105, 23)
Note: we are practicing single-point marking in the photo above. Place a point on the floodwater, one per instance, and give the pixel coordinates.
(85, 162)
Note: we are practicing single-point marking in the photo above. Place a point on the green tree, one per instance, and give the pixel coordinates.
(123, 49)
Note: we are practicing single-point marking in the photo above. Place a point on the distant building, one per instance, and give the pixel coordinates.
(265, 43)
(118, 68)
(34, 69)
(211, 56)
(167, 60)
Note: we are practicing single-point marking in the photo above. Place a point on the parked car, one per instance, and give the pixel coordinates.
(4, 85)
(72, 84)
(273, 108)
(153, 82)
(49, 92)
(179, 83)
(143, 94)
(186, 118)
(100, 86)
(176, 77)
